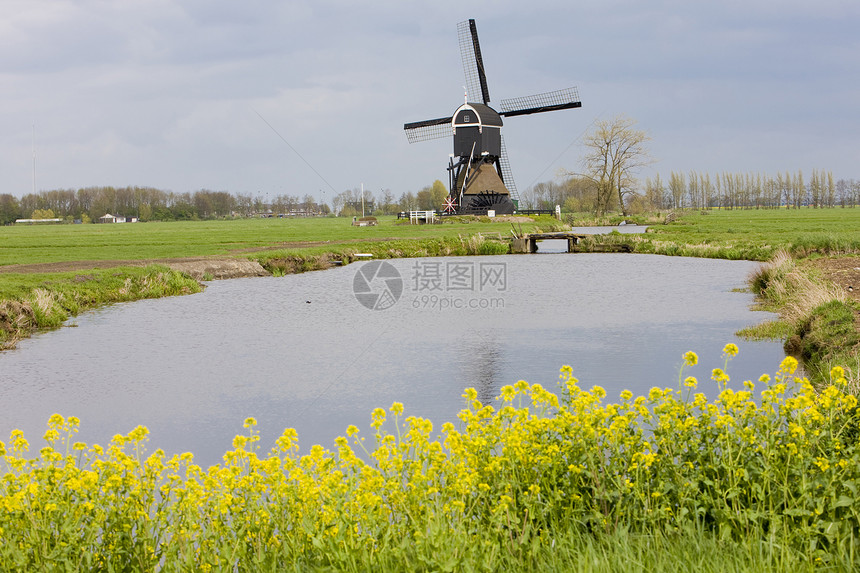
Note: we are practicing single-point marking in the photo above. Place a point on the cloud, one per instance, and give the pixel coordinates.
(166, 92)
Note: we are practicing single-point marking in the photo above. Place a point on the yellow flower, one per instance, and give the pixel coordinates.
(719, 376)
(249, 422)
(239, 442)
(655, 394)
(138, 434)
(690, 382)
(691, 359)
(788, 365)
(397, 408)
(730, 350)
(377, 418)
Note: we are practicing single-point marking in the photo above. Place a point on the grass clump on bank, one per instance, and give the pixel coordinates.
(818, 322)
(36, 301)
(763, 478)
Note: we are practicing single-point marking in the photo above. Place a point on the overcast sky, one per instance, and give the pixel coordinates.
(181, 94)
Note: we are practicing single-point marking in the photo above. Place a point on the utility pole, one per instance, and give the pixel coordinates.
(34, 158)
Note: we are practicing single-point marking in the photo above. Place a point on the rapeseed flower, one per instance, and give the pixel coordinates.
(520, 471)
(690, 359)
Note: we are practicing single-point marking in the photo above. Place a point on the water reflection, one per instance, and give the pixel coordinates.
(483, 361)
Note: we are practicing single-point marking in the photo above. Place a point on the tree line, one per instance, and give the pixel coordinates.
(149, 204)
(615, 150)
(751, 190)
(695, 190)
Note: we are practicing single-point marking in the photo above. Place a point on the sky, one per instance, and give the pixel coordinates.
(300, 97)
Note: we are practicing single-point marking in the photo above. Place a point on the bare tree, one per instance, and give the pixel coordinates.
(677, 184)
(615, 150)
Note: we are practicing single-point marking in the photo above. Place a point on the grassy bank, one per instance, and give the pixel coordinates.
(754, 235)
(286, 261)
(817, 320)
(30, 302)
(760, 233)
(763, 479)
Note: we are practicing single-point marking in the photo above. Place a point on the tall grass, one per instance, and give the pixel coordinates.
(817, 319)
(46, 301)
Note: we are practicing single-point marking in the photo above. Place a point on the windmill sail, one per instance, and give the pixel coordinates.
(473, 63)
(549, 101)
(428, 129)
(507, 174)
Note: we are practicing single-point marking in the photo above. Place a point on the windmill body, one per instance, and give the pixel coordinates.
(479, 174)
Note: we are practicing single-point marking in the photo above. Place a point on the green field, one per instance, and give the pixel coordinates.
(803, 231)
(752, 234)
(30, 244)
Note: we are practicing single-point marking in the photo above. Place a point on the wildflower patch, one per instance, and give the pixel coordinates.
(774, 464)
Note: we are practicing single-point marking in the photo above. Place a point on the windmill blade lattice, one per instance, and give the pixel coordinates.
(473, 63)
(549, 101)
(429, 129)
(507, 174)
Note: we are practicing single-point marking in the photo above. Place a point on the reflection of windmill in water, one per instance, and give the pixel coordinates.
(479, 174)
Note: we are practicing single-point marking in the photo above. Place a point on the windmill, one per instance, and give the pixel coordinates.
(479, 174)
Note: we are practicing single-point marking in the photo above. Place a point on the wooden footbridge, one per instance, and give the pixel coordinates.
(527, 243)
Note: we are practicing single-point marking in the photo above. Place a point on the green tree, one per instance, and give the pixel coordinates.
(432, 196)
(144, 212)
(42, 214)
(9, 209)
(438, 193)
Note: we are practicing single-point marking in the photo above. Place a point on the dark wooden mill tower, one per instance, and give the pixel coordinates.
(479, 174)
